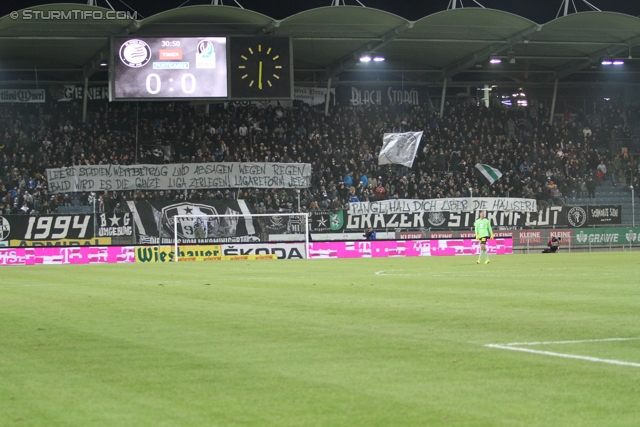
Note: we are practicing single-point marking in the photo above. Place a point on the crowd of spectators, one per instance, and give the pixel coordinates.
(548, 161)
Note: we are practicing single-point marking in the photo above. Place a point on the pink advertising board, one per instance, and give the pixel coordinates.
(406, 248)
(455, 247)
(67, 255)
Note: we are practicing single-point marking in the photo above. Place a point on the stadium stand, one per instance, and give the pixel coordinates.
(555, 163)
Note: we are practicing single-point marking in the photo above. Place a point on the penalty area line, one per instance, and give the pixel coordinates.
(569, 342)
(565, 355)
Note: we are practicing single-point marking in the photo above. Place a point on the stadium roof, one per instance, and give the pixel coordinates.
(328, 41)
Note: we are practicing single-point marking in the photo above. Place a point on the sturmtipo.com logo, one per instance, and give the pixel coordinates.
(73, 15)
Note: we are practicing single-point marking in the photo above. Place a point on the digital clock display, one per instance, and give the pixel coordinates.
(169, 67)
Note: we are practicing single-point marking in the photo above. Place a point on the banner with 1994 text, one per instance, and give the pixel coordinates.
(179, 176)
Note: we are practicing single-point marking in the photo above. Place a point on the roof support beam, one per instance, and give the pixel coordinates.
(94, 63)
(483, 54)
(103, 55)
(351, 59)
(432, 40)
(270, 27)
(609, 51)
(53, 38)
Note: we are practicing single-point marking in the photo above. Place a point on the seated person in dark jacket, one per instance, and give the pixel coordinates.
(552, 246)
(370, 234)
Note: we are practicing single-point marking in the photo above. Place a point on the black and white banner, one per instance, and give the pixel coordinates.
(606, 214)
(114, 225)
(179, 176)
(443, 205)
(65, 93)
(281, 224)
(326, 221)
(313, 95)
(156, 153)
(46, 227)
(447, 220)
(22, 96)
(155, 221)
(381, 95)
(554, 216)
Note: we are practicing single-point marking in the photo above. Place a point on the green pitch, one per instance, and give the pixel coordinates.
(372, 342)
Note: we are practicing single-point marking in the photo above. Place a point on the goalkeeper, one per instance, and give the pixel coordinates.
(483, 232)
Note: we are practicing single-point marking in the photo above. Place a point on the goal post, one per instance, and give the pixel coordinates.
(241, 228)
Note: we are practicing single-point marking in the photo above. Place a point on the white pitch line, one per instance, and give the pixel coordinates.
(564, 355)
(568, 342)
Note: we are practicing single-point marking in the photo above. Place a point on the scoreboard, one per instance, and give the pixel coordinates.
(190, 68)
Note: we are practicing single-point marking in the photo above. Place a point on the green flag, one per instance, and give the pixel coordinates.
(490, 174)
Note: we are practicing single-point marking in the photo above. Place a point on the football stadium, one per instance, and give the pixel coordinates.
(324, 213)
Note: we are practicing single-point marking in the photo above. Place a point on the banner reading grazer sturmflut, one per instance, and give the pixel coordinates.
(179, 176)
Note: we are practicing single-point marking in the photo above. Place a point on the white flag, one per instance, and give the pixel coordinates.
(399, 148)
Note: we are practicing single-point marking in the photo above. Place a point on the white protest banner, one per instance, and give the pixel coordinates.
(179, 176)
(459, 204)
(399, 148)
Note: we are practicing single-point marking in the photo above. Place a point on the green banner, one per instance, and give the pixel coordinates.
(606, 236)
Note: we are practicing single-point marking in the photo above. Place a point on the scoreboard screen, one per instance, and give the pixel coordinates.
(191, 68)
(169, 68)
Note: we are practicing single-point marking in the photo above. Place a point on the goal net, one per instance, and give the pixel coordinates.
(258, 234)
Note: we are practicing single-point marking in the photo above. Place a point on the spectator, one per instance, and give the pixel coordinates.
(601, 172)
(591, 188)
(381, 191)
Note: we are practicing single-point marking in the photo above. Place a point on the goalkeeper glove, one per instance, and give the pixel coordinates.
(491, 237)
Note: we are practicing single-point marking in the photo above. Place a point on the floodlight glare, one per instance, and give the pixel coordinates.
(495, 60)
(378, 59)
(606, 62)
(618, 62)
(365, 58)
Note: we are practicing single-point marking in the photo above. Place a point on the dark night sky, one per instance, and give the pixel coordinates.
(539, 11)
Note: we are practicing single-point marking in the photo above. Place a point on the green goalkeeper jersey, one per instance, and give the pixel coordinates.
(483, 227)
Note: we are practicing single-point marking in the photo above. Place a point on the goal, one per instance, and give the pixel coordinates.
(260, 233)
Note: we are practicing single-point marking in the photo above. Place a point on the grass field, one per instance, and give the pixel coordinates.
(371, 342)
